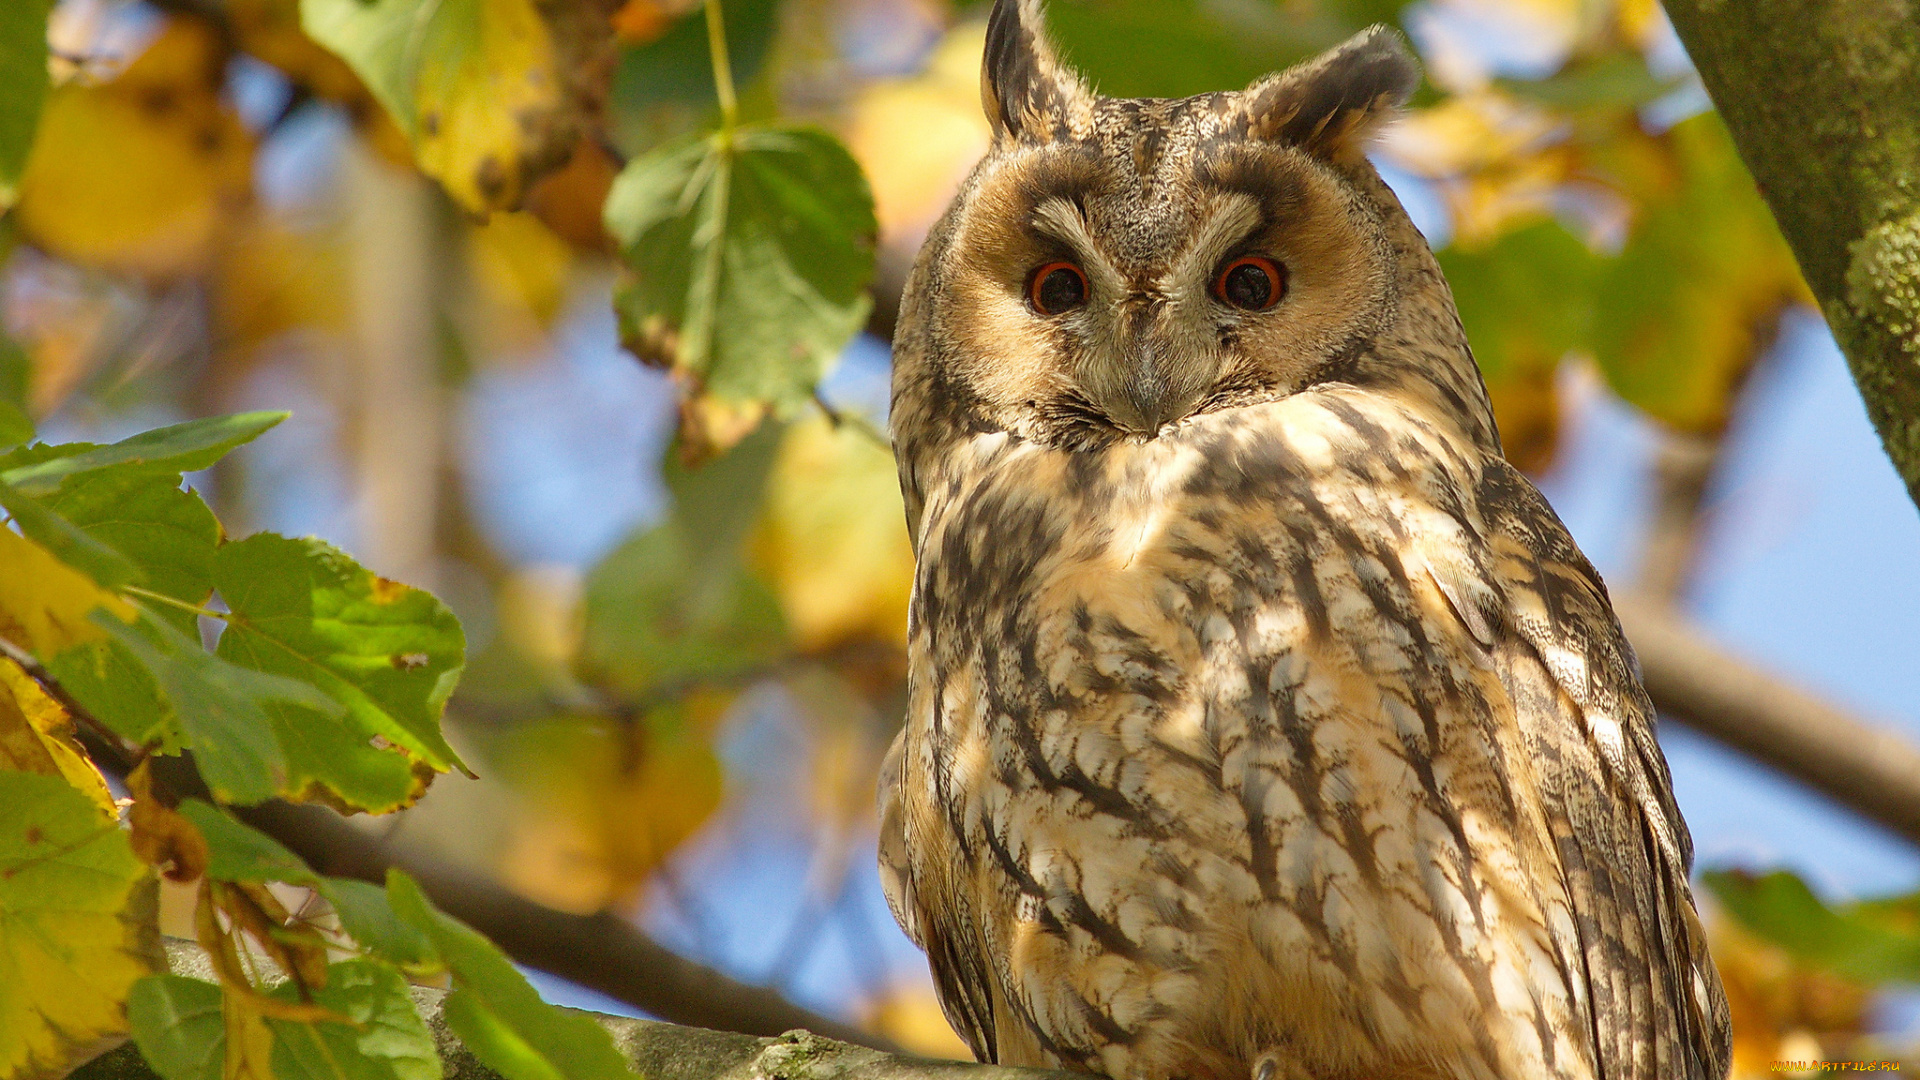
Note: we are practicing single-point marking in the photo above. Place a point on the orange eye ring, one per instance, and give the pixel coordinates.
(1057, 287)
(1250, 283)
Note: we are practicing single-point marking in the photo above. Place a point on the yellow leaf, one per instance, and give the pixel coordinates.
(1640, 22)
(568, 201)
(640, 21)
(938, 115)
(68, 951)
(712, 425)
(1495, 160)
(524, 270)
(162, 837)
(36, 735)
(249, 1041)
(1781, 1005)
(604, 804)
(912, 1018)
(137, 175)
(540, 616)
(471, 105)
(44, 603)
(273, 278)
(481, 87)
(834, 538)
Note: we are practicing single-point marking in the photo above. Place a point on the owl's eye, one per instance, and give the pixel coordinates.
(1057, 287)
(1252, 283)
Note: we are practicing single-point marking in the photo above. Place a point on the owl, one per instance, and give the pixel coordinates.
(1264, 723)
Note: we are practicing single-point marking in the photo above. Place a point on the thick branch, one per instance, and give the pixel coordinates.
(656, 1051)
(1870, 770)
(1820, 97)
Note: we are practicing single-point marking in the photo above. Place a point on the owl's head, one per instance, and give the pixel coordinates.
(1114, 266)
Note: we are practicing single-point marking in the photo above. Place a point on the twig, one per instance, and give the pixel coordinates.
(1682, 467)
(840, 418)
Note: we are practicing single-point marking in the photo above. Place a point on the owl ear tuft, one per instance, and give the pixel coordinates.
(1332, 103)
(1027, 94)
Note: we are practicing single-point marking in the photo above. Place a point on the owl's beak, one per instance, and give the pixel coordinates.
(1152, 395)
(1142, 380)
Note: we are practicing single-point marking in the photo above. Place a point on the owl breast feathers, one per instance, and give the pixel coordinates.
(1264, 723)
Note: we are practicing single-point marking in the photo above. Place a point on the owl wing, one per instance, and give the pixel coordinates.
(1624, 850)
(962, 984)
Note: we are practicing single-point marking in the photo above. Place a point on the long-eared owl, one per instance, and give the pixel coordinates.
(1264, 723)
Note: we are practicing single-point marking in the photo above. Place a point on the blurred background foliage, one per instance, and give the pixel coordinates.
(420, 224)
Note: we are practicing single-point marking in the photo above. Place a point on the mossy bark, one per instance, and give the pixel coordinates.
(1823, 99)
(656, 1051)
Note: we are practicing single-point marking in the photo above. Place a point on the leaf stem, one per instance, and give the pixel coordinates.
(722, 68)
(149, 594)
(840, 418)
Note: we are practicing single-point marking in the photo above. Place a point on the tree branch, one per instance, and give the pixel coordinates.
(1682, 468)
(1868, 769)
(1819, 96)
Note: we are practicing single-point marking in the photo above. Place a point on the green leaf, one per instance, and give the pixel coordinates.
(23, 86)
(220, 708)
(386, 1040)
(67, 542)
(67, 958)
(16, 373)
(1176, 48)
(1613, 80)
(107, 678)
(167, 532)
(179, 1027)
(497, 1013)
(1696, 295)
(369, 919)
(239, 852)
(120, 523)
(716, 504)
(646, 629)
(750, 258)
(676, 602)
(163, 451)
(1526, 301)
(177, 1024)
(1870, 942)
(390, 654)
(677, 66)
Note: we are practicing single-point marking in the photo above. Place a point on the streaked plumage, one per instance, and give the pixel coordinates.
(1263, 721)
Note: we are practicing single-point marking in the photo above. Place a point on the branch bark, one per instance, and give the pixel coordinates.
(1820, 97)
(656, 1051)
